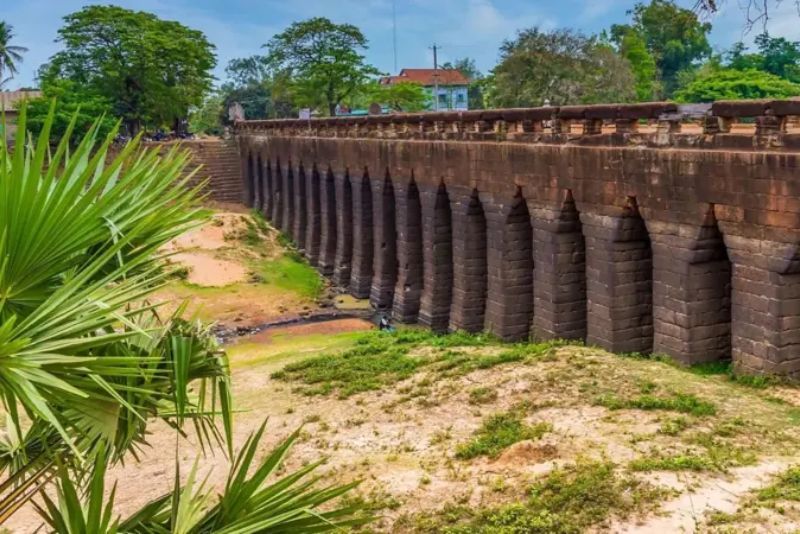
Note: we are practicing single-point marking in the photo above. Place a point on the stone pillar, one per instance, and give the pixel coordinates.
(469, 261)
(385, 240)
(363, 244)
(277, 205)
(408, 290)
(327, 244)
(248, 193)
(300, 208)
(559, 274)
(313, 209)
(619, 273)
(509, 306)
(287, 218)
(765, 305)
(258, 199)
(437, 246)
(691, 292)
(269, 196)
(344, 224)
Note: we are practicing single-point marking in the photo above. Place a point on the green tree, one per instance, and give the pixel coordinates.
(562, 67)
(151, 70)
(732, 84)
(403, 96)
(207, 118)
(262, 91)
(675, 38)
(634, 48)
(87, 363)
(323, 60)
(775, 55)
(10, 55)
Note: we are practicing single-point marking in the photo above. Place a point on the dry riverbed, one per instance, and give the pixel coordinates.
(461, 433)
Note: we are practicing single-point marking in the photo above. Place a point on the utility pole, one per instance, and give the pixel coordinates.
(394, 33)
(435, 77)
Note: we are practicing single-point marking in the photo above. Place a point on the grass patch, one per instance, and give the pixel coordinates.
(291, 272)
(567, 500)
(482, 395)
(785, 488)
(716, 455)
(380, 359)
(498, 432)
(678, 402)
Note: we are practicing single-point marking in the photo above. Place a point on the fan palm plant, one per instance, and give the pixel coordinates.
(85, 360)
(10, 55)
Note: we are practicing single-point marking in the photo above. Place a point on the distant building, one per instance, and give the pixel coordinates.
(9, 103)
(453, 86)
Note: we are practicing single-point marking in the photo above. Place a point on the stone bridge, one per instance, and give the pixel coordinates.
(637, 228)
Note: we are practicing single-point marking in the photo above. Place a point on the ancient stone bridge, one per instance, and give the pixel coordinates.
(638, 228)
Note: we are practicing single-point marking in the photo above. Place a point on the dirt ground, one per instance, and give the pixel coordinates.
(401, 439)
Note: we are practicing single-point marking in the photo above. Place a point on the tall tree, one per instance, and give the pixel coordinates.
(674, 36)
(10, 55)
(151, 70)
(733, 84)
(562, 67)
(775, 55)
(633, 47)
(262, 91)
(324, 60)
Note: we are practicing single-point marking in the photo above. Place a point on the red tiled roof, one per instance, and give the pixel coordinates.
(426, 77)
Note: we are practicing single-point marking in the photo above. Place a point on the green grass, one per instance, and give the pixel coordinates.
(498, 432)
(677, 402)
(291, 273)
(566, 501)
(380, 359)
(715, 455)
(785, 488)
(482, 395)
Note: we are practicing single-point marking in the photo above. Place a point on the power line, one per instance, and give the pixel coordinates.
(435, 49)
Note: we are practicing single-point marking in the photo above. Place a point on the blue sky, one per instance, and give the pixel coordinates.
(473, 28)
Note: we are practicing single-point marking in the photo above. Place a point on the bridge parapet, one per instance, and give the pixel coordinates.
(758, 124)
(651, 227)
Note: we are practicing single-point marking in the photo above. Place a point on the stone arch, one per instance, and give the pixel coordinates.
(327, 246)
(344, 226)
(559, 273)
(619, 279)
(313, 225)
(437, 246)
(408, 221)
(385, 241)
(300, 208)
(469, 262)
(277, 204)
(363, 238)
(510, 259)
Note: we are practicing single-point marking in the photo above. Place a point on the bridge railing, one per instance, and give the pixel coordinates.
(742, 123)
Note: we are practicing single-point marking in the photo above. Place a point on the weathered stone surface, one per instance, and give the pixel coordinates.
(314, 215)
(327, 243)
(363, 240)
(300, 208)
(344, 225)
(437, 248)
(469, 261)
(384, 272)
(408, 223)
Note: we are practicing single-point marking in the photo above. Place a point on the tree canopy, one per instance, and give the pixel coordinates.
(775, 55)
(323, 60)
(733, 84)
(562, 67)
(151, 71)
(674, 37)
(10, 55)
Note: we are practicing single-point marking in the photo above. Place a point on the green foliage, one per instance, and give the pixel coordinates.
(324, 60)
(400, 97)
(150, 70)
(72, 101)
(730, 84)
(785, 488)
(207, 118)
(10, 55)
(482, 395)
(633, 47)
(292, 273)
(678, 402)
(566, 501)
(674, 36)
(498, 432)
(562, 67)
(262, 91)
(775, 55)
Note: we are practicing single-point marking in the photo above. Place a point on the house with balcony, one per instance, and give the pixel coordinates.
(448, 89)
